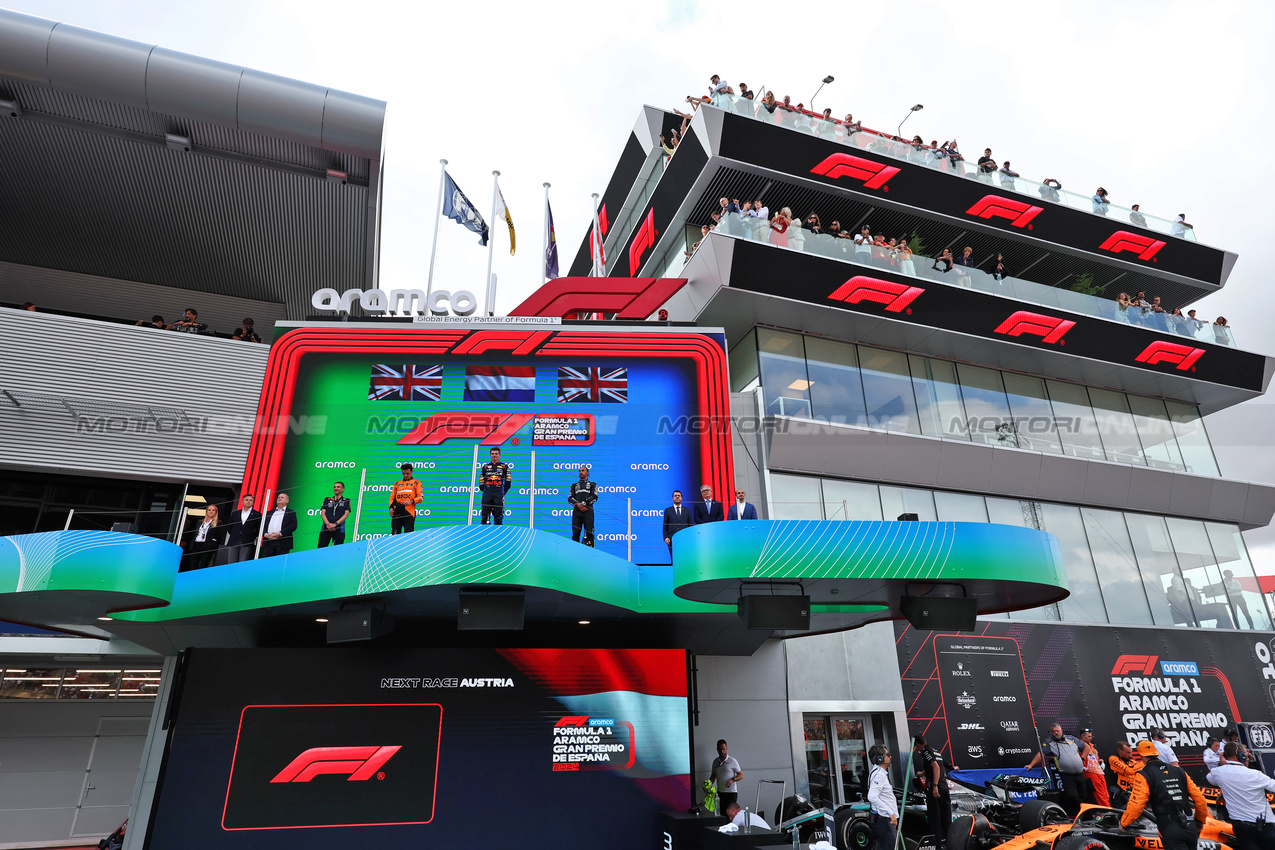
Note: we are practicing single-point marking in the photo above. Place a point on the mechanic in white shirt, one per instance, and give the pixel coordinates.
(1212, 754)
(885, 808)
(1245, 793)
(736, 815)
(1161, 742)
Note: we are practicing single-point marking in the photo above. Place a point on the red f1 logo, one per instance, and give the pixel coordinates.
(360, 763)
(1122, 240)
(1170, 352)
(994, 206)
(1144, 664)
(895, 296)
(492, 428)
(1049, 328)
(873, 174)
(644, 239)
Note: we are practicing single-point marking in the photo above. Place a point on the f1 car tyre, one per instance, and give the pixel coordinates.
(1079, 842)
(1034, 814)
(965, 832)
(853, 831)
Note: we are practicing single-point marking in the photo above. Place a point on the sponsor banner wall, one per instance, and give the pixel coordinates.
(986, 698)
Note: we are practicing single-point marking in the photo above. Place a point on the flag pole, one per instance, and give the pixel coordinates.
(491, 243)
(544, 242)
(438, 217)
(597, 238)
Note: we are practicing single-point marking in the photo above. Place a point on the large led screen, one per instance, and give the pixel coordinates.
(359, 748)
(637, 407)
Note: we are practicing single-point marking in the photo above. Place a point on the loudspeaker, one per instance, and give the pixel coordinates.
(358, 624)
(937, 612)
(775, 613)
(491, 611)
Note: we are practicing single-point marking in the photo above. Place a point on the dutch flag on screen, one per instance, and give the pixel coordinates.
(500, 383)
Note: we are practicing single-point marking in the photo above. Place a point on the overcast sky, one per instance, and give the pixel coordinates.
(1165, 104)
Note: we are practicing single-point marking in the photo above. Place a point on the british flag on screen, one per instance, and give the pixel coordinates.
(405, 382)
(592, 384)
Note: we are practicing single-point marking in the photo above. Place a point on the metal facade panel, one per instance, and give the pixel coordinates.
(116, 367)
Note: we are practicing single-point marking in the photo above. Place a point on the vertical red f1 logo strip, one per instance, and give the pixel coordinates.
(1122, 240)
(1184, 356)
(359, 763)
(873, 174)
(994, 206)
(1049, 328)
(645, 239)
(895, 296)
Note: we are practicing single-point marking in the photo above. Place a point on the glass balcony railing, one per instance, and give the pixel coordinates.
(886, 145)
(840, 248)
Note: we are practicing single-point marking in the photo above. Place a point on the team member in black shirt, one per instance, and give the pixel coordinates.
(333, 513)
(582, 496)
(932, 773)
(495, 481)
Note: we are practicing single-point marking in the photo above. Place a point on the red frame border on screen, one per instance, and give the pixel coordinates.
(265, 454)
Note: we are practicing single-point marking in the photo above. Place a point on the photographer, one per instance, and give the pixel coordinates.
(189, 323)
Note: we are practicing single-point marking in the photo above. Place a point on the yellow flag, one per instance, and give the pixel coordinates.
(502, 211)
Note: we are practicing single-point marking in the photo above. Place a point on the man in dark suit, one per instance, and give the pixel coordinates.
(280, 524)
(741, 509)
(675, 519)
(707, 510)
(241, 536)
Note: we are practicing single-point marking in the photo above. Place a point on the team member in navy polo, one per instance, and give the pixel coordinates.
(707, 510)
(333, 513)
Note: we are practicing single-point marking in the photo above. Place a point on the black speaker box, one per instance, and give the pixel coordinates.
(491, 611)
(358, 624)
(776, 613)
(937, 612)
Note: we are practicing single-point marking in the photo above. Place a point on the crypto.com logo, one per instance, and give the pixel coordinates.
(359, 763)
(1019, 213)
(895, 296)
(1125, 664)
(1049, 328)
(644, 239)
(1122, 240)
(1170, 352)
(873, 174)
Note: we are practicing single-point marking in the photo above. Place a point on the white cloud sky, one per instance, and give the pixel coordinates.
(1163, 103)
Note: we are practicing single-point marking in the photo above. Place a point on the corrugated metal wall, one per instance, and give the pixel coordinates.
(108, 373)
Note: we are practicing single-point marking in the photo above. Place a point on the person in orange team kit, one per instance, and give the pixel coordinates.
(405, 495)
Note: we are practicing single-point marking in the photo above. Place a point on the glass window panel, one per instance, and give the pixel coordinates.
(1242, 592)
(818, 765)
(1025, 515)
(836, 391)
(1200, 572)
(1155, 432)
(795, 497)
(1033, 414)
(852, 756)
(743, 364)
(960, 507)
(1077, 427)
(986, 406)
(1115, 423)
(1117, 567)
(91, 684)
(887, 387)
(938, 398)
(785, 385)
(1170, 605)
(1193, 440)
(1085, 603)
(905, 500)
(30, 683)
(852, 500)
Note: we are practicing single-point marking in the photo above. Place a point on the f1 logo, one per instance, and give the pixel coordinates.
(360, 763)
(873, 174)
(644, 239)
(492, 428)
(1019, 213)
(1170, 352)
(895, 296)
(1144, 664)
(1049, 328)
(1122, 240)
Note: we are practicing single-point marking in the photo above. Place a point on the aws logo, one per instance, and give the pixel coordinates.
(358, 764)
(873, 174)
(1183, 357)
(1049, 328)
(1019, 213)
(1122, 240)
(895, 296)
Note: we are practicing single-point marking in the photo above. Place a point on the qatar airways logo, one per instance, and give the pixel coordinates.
(1122, 240)
(1019, 213)
(873, 174)
(895, 296)
(1183, 357)
(1049, 328)
(358, 764)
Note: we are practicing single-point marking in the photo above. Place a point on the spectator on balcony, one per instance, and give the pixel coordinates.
(1101, 203)
(203, 546)
(880, 251)
(1155, 305)
(964, 264)
(717, 88)
(245, 332)
(1049, 190)
(155, 322)
(954, 155)
(189, 323)
(703, 234)
(943, 262)
(812, 223)
(1123, 302)
(863, 247)
(892, 253)
(1179, 322)
(744, 92)
(779, 227)
(906, 266)
(986, 166)
(998, 274)
(917, 151)
(1007, 176)
(760, 210)
(834, 230)
(1142, 302)
(768, 102)
(1180, 226)
(1195, 325)
(1222, 331)
(29, 306)
(828, 126)
(1136, 217)
(669, 148)
(851, 126)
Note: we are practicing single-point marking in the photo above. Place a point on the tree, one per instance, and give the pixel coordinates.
(1085, 286)
(917, 245)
